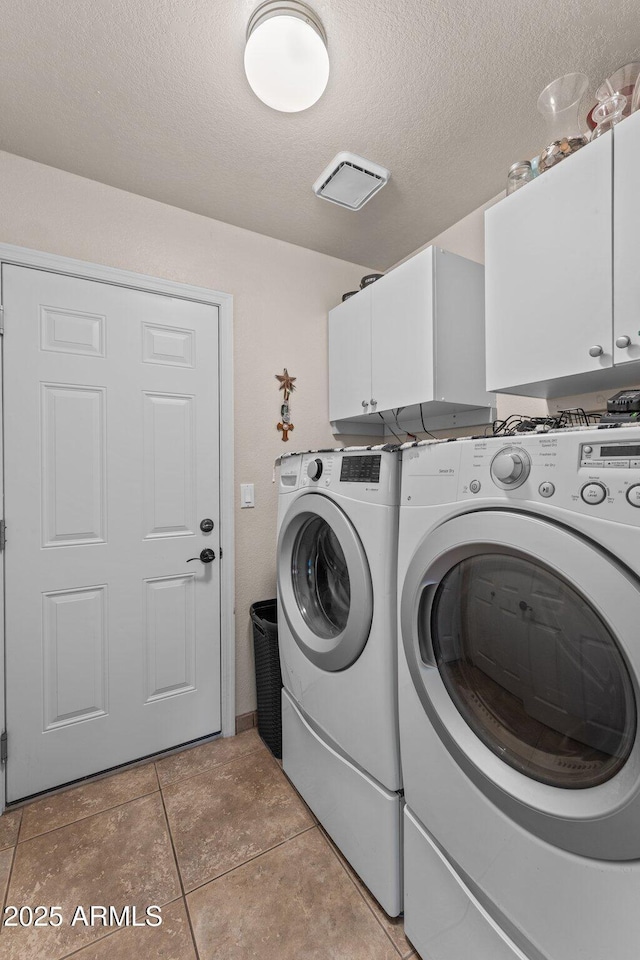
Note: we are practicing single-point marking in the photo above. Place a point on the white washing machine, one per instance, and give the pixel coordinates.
(519, 691)
(337, 541)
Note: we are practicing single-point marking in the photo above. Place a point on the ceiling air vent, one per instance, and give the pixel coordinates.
(350, 180)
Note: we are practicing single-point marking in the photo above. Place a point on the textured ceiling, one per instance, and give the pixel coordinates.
(150, 96)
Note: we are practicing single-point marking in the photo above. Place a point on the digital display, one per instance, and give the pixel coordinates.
(628, 450)
(361, 469)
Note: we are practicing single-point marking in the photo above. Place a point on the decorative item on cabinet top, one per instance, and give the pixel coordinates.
(618, 96)
(370, 278)
(366, 281)
(413, 343)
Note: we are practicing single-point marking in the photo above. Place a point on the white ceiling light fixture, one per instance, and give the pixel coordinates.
(350, 180)
(285, 58)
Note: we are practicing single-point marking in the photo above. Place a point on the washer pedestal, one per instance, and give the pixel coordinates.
(362, 817)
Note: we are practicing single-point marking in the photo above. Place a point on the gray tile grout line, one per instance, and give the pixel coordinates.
(314, 826)
(178, 871)
(109, 933)
(155, 770)
(200, 773)
(6, 892)
(15, 843)
(99, 777)
(115, 806)
(158, 789)
(329, 843)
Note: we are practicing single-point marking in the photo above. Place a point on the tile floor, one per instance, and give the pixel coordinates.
(215, 835)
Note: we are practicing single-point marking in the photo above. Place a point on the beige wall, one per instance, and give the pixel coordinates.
(281, 297)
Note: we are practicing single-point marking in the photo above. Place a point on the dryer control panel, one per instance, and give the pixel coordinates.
(582, 471)
(619, 454)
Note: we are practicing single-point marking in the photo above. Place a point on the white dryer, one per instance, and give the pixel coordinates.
(337, 541)
(519, 686)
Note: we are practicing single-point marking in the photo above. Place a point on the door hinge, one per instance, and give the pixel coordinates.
(221, 553)
(1, 320)
(3, 747)
(3, 535)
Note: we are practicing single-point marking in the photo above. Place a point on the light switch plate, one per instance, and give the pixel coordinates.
(246, 495)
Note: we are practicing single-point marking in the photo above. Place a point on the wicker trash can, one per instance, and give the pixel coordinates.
(264, 616)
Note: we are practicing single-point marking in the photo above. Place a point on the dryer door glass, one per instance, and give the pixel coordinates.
(533, 670)
(321, 579)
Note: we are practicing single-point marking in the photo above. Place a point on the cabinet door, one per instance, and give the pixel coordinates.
(548, 274)
(626, 224)
(350, 357)
(402, 335)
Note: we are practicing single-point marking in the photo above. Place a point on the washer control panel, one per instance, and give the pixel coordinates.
(316, 470)
(360, 469)
(358, 474)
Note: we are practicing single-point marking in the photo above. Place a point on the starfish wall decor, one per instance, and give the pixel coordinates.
(287, 384)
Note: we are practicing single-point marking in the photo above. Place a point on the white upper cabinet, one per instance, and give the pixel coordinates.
(563, 283)
(548, 268)
(412, 342)
(626, 263)
(350, 356)
(402, 335)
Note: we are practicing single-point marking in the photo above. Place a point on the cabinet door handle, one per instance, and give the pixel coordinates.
(364, 403)
(623, 342)
(373, 402)
(596, 351)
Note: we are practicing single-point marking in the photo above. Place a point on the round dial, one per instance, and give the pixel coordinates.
(594, 493)
(633, 495)
(510, 467)
(314, 469)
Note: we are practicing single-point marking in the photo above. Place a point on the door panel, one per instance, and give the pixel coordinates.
(169, 478)
(111, 447)
(73, 465)
(74, 646)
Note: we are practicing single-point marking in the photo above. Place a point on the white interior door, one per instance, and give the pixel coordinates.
(111, 464)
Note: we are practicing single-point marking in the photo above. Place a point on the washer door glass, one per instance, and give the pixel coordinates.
(321, 579)
(324, 582)
(532, 669)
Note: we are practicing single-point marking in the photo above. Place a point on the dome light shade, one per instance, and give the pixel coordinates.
(285, 58)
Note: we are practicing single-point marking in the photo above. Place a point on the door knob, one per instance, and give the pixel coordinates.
(206, 556)
(623, 342)
(596, 351)
(206, 525)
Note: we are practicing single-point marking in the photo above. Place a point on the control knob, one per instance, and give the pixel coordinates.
(594, 493)
(510, 467)
(314, 469)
